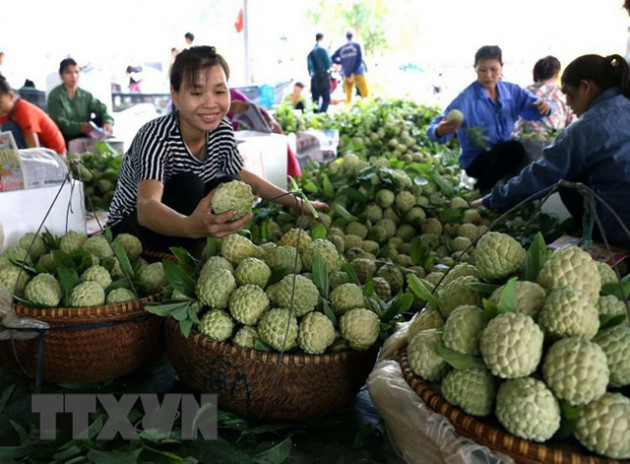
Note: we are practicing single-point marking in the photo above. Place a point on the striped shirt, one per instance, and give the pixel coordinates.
(158, 152)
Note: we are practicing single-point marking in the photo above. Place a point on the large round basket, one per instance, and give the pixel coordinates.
(491, 435)
(270, 386)
(86, 345)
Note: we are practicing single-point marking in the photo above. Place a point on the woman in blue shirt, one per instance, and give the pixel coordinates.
(490, 107)
(594, 150)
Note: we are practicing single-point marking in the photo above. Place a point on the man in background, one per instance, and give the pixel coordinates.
(319, 63)
(350, 57)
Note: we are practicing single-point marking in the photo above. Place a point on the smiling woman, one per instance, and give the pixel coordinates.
(168, 176)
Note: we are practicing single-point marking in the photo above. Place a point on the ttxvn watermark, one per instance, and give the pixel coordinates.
(196, 417)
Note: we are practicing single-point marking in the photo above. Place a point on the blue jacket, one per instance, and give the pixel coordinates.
(594, 150)
(486, 122)
(351, 58)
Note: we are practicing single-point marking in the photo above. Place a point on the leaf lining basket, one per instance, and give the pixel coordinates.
(270, 386)
(492, 436)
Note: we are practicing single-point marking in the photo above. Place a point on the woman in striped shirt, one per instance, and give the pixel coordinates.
(164, 192)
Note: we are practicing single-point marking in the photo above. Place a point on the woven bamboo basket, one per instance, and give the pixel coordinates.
(492, 435)
(90, 344)
(269, 386)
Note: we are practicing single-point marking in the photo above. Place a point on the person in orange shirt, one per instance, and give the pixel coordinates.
(30, 125)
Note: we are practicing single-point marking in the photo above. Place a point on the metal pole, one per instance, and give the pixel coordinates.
(248, 76)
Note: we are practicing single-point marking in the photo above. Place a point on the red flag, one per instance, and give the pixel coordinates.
(238, 24)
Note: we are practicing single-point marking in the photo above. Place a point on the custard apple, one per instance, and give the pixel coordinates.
(328, 252)
(385, 198)
(573, 267)
(511, 345)
(98, 246)
(214, 288)
(17, 253)
(87, 294)
(248, 303)
(284, 258)
(120, 295)
(296, 238)
(357, 229)
(235, 195)
(497, 256)
(217, 324)
(315, 333)
(457, 293)
(463, 329)
(346, 297)
(364, 268)
(43, 289)
(360, 327)
(215, 262)
(603, 426)
(245, 337)
(616, 345)
(529, 297)
(473, 390)
(235, 248)
(382, 288)
(337, 278)
(393, 275)
(423, 358)
(71, 241)
(252, 271)
(296, 292)
(528, 409)
(278, 328)
(405, 201)
(611, 305)
(33, 244)
(606, 273)
(567, 311)
(459, 270)
(576, 370)
(431, 226)
(98, 274)
(14, 279)
(425, 319)
(152, 277)
(131, 244)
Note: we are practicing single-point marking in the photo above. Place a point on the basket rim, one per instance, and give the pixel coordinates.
(494, 437)
(126, 308)
(197, 339)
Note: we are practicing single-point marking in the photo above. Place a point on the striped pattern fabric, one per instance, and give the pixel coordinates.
(158, 152)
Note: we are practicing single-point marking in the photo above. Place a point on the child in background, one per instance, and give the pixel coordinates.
(295, 98)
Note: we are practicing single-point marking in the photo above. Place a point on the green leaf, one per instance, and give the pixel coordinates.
(319, 232)
(178, 278)
(615, 289)
(108, 234)
(165, 309)
(348, 268)
(422, 289)
(482, 287)
(212, 248)
(569, 417)
(125, 265)
(607, 321)
(328, 311)
(329, 191)
(181, 313)
(259, 345)
(368, 288)
(184, 259)
(4, 397)
(490, 310)
(111, 457)
(310, 186)
(14, 451)
(275, 454)
(20, 431)
(459, 360)
(343, 212)
(400, 304)
(68, 279)
(418, 250)
(65, 455)
(536, 258)
(61, 258)
(320, 274)
(507, 300)
(192, 313)
(443, 184)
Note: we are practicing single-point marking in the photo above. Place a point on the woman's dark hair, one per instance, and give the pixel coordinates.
(192, 60)
(489, 52)
(65, 64)
(546, 68)
(5, 88)
(606, 72)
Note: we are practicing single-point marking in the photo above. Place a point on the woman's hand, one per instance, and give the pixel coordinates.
(206, 224)
(108, 128)
(238, 107)
(478, 203)
(446, 127)
(542, 106)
